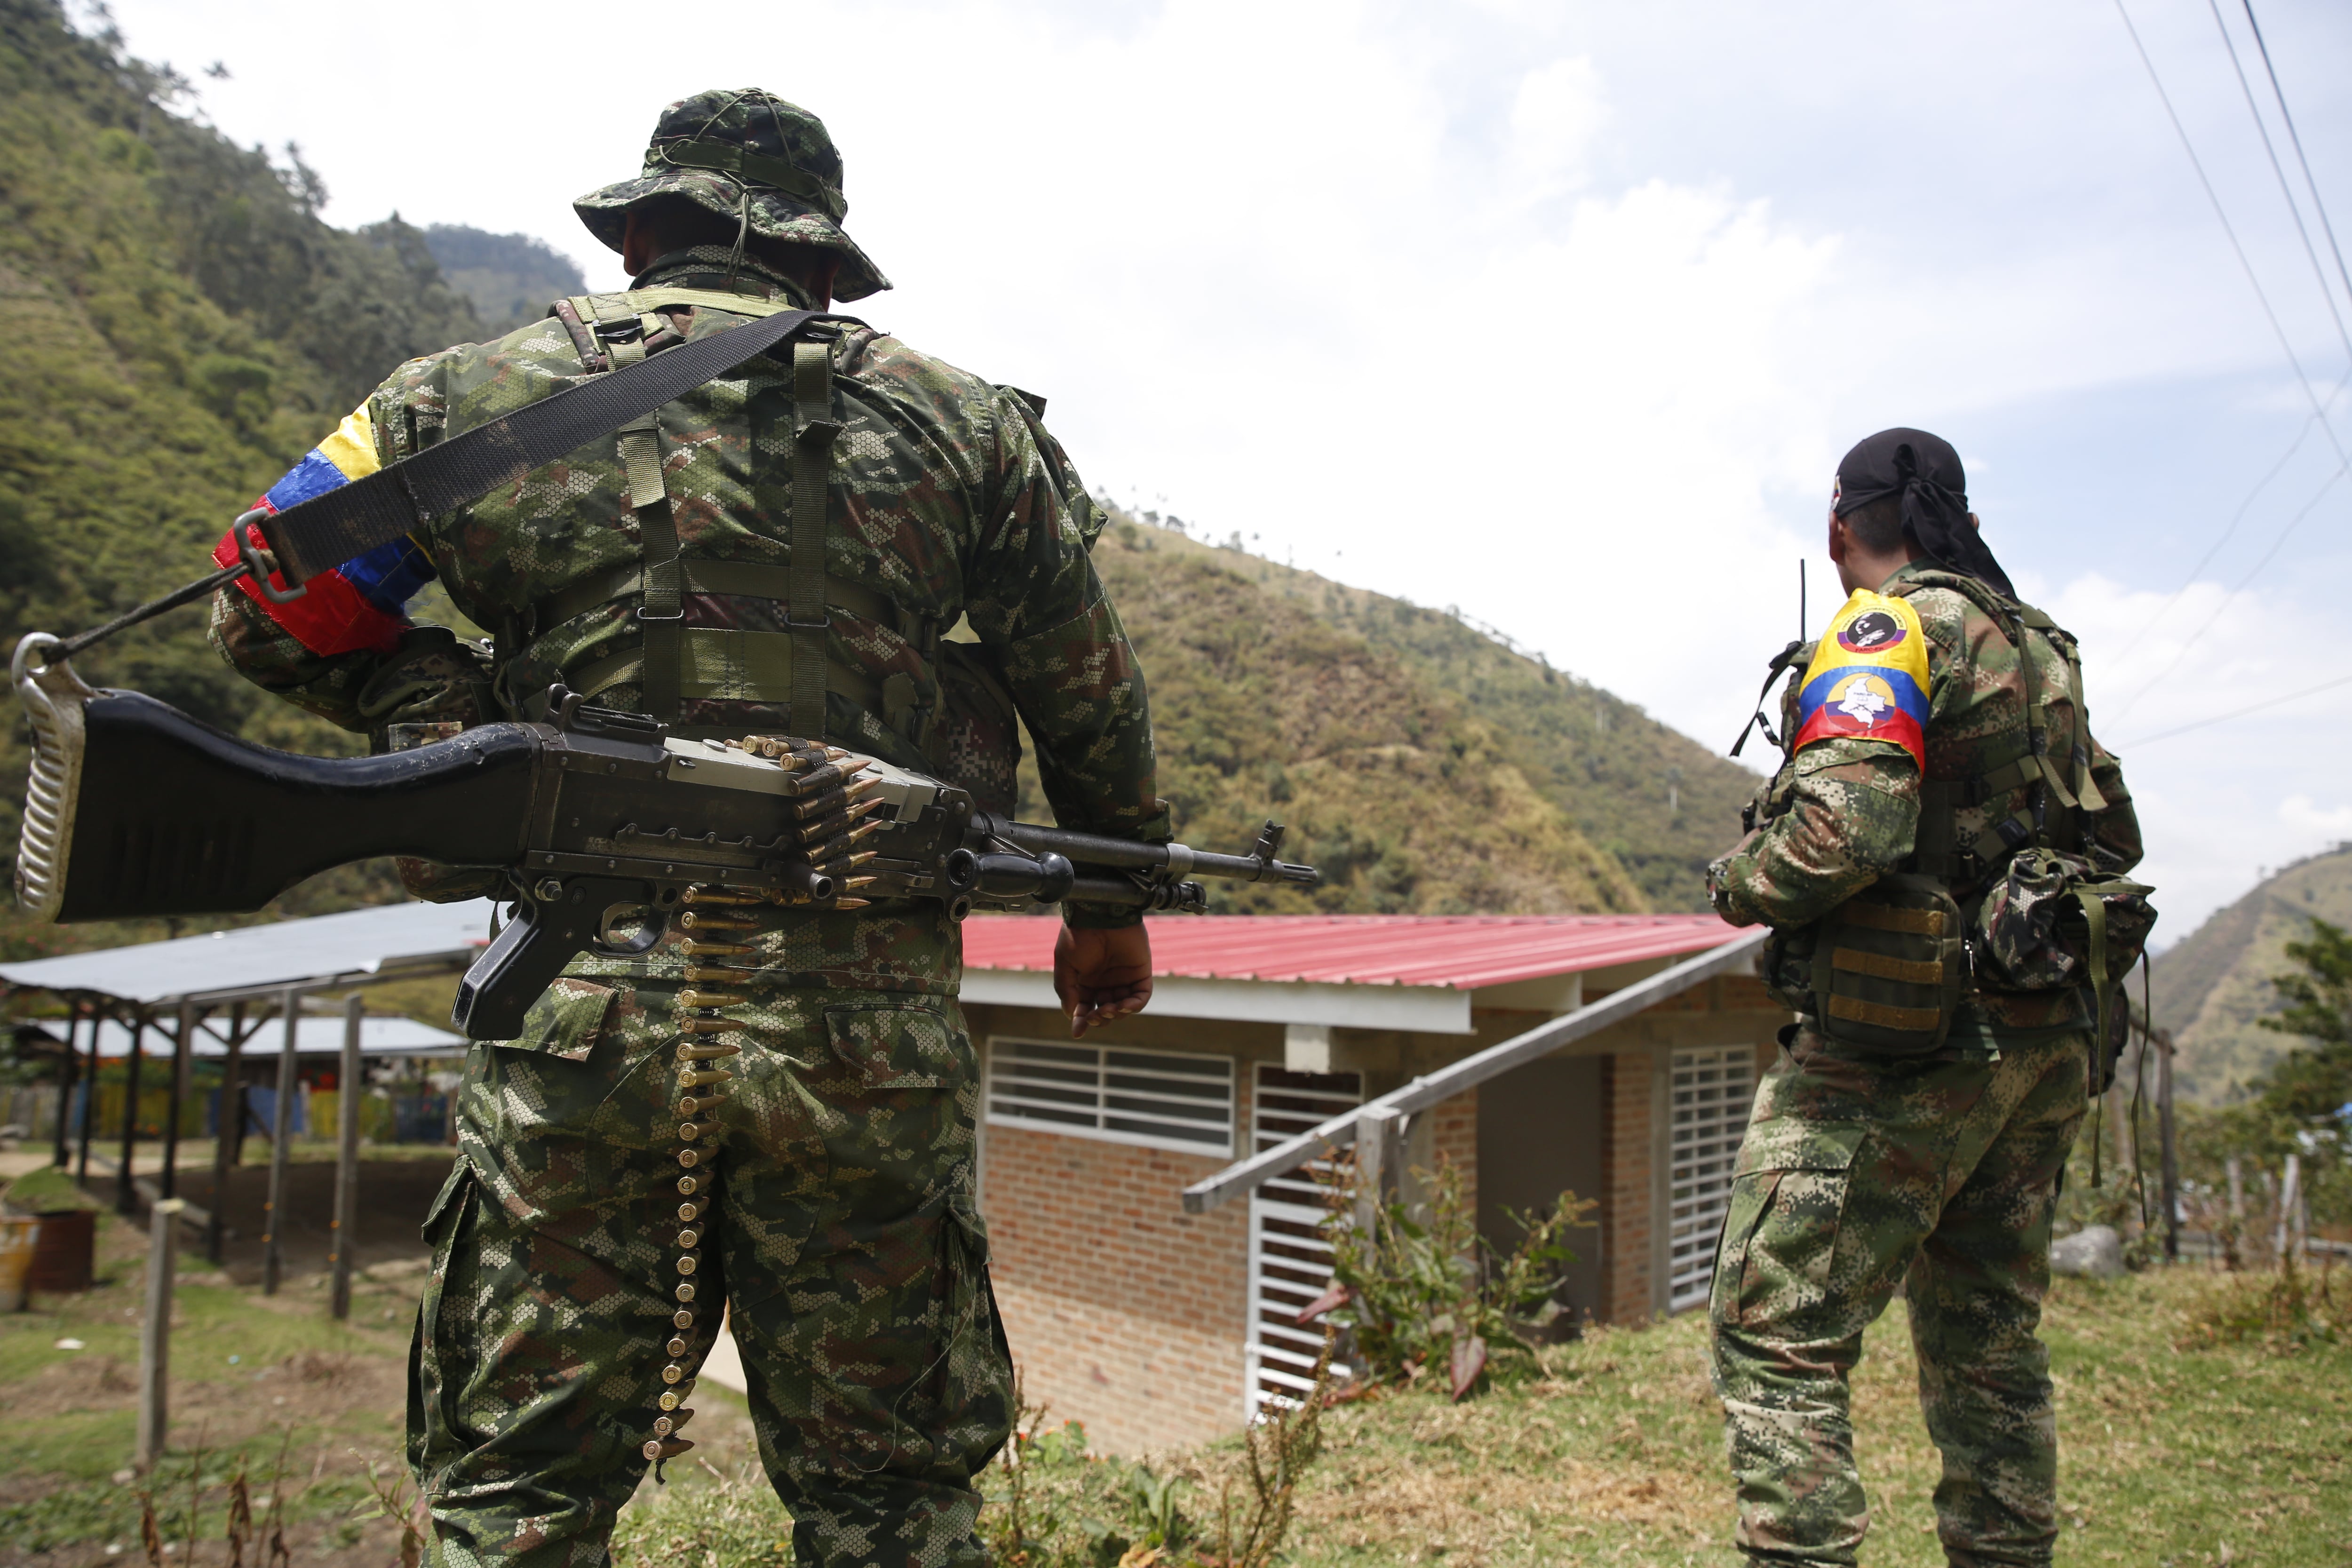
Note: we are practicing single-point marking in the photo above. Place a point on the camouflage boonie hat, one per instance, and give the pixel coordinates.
(748, 150)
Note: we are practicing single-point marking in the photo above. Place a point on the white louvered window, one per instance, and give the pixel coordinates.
(1289, 1261)
(1162, 1099)
(1713, 1088)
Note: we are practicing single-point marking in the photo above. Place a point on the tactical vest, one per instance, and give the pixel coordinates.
(968, 733)
(1888, 968)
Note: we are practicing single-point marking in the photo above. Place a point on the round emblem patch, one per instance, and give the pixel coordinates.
(1873, 631)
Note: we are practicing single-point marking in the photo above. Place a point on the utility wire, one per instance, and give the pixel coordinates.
(2244, 261)
(2295, 138)
(2236, 518)
(2248, 708)
(2278, 329)
(2232, 596)
(2286, 191)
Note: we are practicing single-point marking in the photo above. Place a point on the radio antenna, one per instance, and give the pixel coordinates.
(1804, 621)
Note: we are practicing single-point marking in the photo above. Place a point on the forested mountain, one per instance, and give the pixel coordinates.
(511, 278)
(2210, 987)
(185, 326)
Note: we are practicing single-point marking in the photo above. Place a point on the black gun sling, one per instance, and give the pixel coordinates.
(322, 534)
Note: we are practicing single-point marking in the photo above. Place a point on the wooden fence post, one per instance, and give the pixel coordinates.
(1379, 1164)
(347, 1159)
(273, 1214)
(155, 1333)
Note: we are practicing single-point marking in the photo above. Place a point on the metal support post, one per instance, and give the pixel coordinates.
(126, 1199)
(347, 1158)
(2170, 1145)
(68, 1073)
(88, 1100)
(273, 1212)
(183, 1054)
(228, 1131)
(155, 1333)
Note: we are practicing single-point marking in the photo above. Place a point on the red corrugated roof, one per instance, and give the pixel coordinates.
(1459, 951)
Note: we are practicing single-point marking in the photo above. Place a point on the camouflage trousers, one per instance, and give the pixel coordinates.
(615, 1192)
(1858, 1175)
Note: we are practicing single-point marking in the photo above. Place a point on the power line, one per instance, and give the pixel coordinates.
(2230, 597)
(2286, 191)
(2248, 708)
(2245, 262)
(2278, 329)
(2236, 518)
(2295, 138)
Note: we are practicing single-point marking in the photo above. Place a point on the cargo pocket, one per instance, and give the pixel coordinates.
(893, 1048)
(442, 1350)
(566, 1021)
(974, 1386)
(1780, 1233)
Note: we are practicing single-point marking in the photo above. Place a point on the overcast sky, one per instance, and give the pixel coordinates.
(1561, 314)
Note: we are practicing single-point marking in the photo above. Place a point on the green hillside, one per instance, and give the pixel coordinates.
(1661, 803)
(1405, 796)
(2209, 987)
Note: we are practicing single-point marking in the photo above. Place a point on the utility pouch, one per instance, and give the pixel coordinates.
(1889, 967)
(2052, 921)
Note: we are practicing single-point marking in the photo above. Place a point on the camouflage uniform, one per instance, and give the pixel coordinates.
(1861, 1173)
(781, 1119)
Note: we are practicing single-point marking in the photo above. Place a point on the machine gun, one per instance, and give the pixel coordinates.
(609, 829)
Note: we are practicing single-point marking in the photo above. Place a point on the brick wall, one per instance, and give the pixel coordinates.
(1125, 1313)
(1454, 1138)
(1625, 1219)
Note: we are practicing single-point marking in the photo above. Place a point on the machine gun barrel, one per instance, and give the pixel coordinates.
(1160, 859)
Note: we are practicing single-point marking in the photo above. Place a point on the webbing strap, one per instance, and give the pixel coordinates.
(638, 301)
(723, 664)
(813, 430)
(1885, 1015)
(663, 611)
(738, 579)
(1894, 917)
(1881, 966)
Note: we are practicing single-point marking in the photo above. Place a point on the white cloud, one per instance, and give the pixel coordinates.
(2331, 824)
(1555, 116)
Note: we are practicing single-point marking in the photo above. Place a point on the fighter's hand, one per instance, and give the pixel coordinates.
(1101, 975)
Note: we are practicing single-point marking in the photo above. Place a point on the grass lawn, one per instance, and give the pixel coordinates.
(2182, 1447)
(251, 1376)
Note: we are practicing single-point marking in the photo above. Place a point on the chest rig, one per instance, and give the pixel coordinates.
(674, 662)
(1887, 970)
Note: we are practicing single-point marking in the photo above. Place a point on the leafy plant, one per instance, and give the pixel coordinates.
(1430, 1291)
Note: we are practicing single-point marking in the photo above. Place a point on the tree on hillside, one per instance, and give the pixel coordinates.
(2303, 1102)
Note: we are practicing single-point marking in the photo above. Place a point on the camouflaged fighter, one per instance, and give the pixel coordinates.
(721, 535)
(1942, 857)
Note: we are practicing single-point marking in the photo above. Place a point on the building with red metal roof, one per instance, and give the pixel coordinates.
(1142, 1303)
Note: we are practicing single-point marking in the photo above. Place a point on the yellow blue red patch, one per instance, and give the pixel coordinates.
(1868, 678)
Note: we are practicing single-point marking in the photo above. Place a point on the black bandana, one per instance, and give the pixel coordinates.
(1926, 472)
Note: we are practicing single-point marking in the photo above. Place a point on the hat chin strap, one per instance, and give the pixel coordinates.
(742, 233)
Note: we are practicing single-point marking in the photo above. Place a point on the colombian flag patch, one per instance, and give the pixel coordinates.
(1869, 677)
(360, 604)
